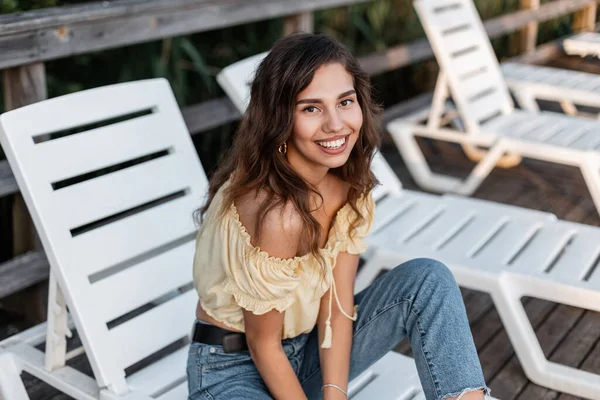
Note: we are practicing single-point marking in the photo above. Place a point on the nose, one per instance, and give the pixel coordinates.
(333, 122)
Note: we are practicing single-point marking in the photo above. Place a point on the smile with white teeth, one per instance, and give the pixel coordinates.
(332, 144)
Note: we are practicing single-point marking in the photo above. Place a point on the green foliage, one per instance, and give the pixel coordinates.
(9, 6)
(191, 62)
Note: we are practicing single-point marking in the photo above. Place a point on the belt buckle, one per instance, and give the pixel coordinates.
(231, 343)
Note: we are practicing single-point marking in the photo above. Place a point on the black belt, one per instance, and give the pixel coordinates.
(232, 342)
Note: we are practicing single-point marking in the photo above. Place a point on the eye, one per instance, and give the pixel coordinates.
(346, 103)
(310, 109)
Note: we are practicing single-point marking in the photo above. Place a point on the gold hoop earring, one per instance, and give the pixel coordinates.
(283, 148)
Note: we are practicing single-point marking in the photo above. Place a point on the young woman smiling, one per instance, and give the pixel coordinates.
(278, 250)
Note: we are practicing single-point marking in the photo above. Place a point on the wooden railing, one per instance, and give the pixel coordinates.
(29, 39)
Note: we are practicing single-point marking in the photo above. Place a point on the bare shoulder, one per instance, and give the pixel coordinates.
(281, 229)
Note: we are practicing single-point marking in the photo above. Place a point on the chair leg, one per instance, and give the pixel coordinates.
(57, 327)
(525, 99)
(11, 385)
(416, 163)
(482, 170)
(438, 105)
(527, 348)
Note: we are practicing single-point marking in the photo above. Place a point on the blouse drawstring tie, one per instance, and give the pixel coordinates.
(328, 331)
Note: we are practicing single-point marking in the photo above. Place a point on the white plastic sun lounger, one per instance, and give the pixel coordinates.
(507, 251)
(111, 178)
(583, 44)
(470, 73)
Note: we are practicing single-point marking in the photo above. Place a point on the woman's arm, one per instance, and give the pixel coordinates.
(280, 236)
(263, 334)
(335, 361)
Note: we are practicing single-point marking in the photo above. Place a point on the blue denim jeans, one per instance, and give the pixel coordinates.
(418, 299)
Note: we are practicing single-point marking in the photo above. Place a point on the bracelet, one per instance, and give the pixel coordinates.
(334, 386)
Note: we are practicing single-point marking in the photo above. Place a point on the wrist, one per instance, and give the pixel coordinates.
(334, 392)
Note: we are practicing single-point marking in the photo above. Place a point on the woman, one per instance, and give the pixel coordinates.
(279, 248)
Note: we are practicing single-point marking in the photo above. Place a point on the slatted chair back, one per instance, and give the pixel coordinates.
(466, 58)
(112, 179)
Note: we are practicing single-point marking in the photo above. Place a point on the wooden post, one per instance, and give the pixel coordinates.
(22, 86)
(298, 23)
(527, 37)
(585, 19)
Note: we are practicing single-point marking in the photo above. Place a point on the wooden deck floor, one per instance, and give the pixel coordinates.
(568, 335)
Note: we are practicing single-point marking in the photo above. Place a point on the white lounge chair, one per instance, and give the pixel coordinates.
(111, 178)
(507, 251)
(583, 44)
(469, 71)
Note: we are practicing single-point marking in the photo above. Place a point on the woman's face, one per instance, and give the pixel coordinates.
(327, 122)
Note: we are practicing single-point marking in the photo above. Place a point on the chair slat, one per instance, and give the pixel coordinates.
(547, 130)
(541, 250)
(122, 190)
(461, 40)
(506, 123)
(388, 209)
(412, 220)
(518, 71)
(177, 393)
(95, 149)
(478, 231)
(436, 233)
(588, 141)
(476, 84)
(169, 369)
(486, 107)
(497, 252)
(593, 281)
(155, 329)
(122, 101)
(531, 123)
(451, 18)
(132, 236)
(157, 275)
(568, 136)
(469, 62)
(578, 257)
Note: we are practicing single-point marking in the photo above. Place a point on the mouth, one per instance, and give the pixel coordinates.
(334, 145)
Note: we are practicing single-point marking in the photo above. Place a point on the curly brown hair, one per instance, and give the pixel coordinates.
(254, 163)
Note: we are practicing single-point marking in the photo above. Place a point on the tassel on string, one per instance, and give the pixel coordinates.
(327, 339)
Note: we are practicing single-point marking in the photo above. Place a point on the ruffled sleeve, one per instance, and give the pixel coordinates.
(353, 240)
(258, 282)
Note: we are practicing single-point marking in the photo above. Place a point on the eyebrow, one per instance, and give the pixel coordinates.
(319, 101)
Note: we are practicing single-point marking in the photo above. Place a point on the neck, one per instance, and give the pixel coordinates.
(313, 174)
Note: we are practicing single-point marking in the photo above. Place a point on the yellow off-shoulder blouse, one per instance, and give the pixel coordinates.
(230, 273)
